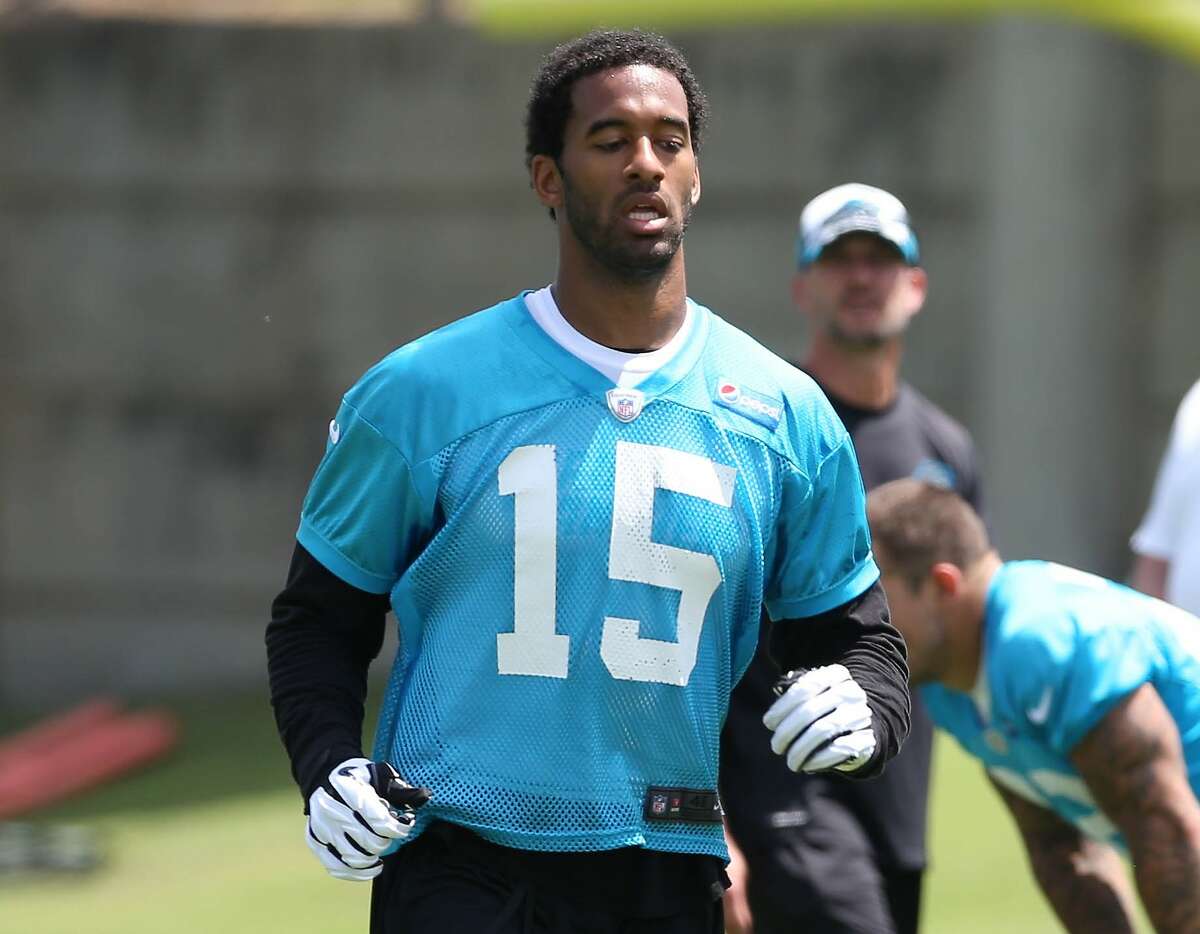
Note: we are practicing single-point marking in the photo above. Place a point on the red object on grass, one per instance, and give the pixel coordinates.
(76, 751)
(46, 734)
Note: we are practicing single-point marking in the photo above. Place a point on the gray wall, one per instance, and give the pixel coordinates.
(206, 234)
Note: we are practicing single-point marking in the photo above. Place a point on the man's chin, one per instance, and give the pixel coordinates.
(865, 338)
(642, 261)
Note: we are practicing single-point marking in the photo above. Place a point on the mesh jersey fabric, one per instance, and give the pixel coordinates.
(576, 594)
(767, 805)
(1060, 649)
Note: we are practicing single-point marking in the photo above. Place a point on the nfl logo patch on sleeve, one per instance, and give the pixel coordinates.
(625, 404)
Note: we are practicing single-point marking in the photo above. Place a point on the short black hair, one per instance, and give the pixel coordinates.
(550, 97)
(918, 524)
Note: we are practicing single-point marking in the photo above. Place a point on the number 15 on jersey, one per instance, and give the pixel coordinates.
(529, 473)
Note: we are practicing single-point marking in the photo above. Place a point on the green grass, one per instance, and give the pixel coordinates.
(212, 840)
(979, 879)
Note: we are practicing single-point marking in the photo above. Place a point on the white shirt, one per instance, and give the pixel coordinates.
(1170, 530)
(626, 370)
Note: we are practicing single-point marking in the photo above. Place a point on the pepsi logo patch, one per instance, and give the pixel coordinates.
(756, 406)
(625, 404)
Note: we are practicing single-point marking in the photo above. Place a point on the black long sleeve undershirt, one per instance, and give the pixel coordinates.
(321, 639)
(859, 635)
(324, 633)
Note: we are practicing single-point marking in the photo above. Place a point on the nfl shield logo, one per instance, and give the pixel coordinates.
(625, 404)
(658, 804)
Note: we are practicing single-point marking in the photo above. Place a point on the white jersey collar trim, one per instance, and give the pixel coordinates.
(626, 370)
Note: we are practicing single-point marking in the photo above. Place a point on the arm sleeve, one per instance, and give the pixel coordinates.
(859, 635)
(321, 638)
(362, 521)
(821, 554)
(363, 517)
(1069, 676)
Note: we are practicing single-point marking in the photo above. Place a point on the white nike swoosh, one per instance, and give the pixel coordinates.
(1037, 714)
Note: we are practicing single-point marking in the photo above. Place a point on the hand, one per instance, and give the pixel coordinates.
(356, 814)
(821, 721)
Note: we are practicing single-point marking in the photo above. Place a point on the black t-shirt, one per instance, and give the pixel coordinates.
(761, 796)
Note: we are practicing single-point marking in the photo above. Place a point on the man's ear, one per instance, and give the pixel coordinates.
(546, 180)
(947, 578)
(696, 185)
(918, 287)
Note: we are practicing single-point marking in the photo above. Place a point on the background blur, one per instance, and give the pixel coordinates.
(215, 215)
(209, 230)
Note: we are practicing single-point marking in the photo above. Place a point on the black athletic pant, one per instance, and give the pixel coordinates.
(901, 914)
(450, 881)
(825, 877)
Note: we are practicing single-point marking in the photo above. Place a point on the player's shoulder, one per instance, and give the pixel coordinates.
(446, 383)
(1031, 626)
(743, 355)
(441, 353)
(1027, 606)
(741, 368)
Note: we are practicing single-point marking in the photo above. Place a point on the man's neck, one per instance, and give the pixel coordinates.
(638, 315)
(866, 377)
(967, 623)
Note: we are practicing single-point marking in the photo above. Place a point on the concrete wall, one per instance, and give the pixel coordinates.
(207, 233)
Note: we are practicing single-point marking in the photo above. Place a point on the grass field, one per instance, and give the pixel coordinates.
(212, 841)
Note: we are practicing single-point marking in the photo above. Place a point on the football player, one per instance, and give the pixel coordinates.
(576, 502)
(1080, 696)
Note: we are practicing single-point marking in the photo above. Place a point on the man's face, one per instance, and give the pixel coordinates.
(860, 291)
(629, 176)
(914, 613)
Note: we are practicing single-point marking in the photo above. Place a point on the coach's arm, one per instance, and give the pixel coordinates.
(1132, 761)
(1083, 879)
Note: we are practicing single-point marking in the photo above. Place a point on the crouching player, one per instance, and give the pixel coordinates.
(1081, 697)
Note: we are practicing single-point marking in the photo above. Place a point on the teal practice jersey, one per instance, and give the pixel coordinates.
(577, 570)
(1060, 649)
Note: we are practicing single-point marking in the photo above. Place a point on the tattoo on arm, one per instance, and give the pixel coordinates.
(1084, 880)
(1133, 763)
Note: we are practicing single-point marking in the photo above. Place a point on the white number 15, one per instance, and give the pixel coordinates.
(530, 474)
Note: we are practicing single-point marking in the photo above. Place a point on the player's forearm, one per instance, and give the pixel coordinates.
(1132, 761)
(1083, 879)
(320, 641)
(1085, 885)
(860, 636)
(1165, 850)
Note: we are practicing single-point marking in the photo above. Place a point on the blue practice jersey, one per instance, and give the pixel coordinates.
(1060, 649)
(578, 570)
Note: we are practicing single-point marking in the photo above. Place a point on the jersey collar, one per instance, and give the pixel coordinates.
(672, 368)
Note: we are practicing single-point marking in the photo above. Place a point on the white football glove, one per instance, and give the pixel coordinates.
(821, 721)
(350, 822)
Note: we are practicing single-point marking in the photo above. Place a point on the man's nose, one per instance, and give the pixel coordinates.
(644, 163)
